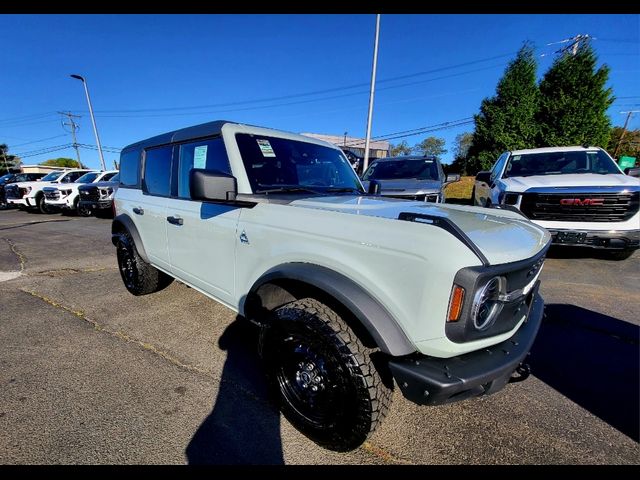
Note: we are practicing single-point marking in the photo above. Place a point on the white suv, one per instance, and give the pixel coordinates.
(351, 290)
(579, 194)
(67, 196)
(31, 194)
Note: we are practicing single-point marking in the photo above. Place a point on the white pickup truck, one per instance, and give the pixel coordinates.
(353, 292)
(579, 194)
(30, 195)
(67, 196)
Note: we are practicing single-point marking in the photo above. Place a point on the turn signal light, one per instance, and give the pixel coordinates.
(455, 304)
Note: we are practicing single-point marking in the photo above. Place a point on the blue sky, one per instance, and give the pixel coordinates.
(148, 74)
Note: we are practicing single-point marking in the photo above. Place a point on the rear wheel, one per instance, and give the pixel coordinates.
(138, 276)
(323, 376)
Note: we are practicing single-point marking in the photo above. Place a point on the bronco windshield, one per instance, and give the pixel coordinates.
(282, 165)
(51, 176)
(557, 163)
(421, 169)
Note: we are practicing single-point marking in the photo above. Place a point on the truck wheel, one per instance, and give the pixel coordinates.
(139, 277)
(322, 375)
(42, 205)
(82, 211)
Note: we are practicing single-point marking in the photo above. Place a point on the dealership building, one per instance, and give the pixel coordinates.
(377, 148)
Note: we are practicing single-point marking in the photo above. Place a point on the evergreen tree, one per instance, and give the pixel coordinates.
(507, 120)
(574, 101)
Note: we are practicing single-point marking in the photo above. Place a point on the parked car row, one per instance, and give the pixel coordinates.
(63, 190)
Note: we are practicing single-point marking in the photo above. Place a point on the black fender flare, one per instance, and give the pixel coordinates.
(123, 221)
(373, 316)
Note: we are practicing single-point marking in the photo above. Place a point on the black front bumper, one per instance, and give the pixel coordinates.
(614, 240)
(433, 381)
(95, 204)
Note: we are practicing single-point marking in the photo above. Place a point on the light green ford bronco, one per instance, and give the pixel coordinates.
(355, 293)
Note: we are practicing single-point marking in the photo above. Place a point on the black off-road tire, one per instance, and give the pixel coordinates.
(308, 345)
(139, 277)
(81, 211)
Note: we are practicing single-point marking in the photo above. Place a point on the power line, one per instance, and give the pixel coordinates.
(43, 152)
(25, 117)
(311, 93)
(36, 141)
(416, 131)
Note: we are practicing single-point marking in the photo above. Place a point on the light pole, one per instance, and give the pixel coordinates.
(93, 120)
(371, 94)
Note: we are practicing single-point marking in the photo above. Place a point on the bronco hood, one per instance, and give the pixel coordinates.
(502, 236)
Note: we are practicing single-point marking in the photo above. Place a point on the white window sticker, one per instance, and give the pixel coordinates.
(200, 157)
(265, 148)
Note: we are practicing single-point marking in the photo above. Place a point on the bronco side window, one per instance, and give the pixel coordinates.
(210, 154)
(157, 171)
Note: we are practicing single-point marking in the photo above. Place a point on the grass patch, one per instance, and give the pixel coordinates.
(460, 192)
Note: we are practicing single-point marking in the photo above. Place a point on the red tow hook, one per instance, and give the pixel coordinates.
(521, 373)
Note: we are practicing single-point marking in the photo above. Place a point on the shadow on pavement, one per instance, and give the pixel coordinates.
(560, 251)
(593, 360)
(243, 427)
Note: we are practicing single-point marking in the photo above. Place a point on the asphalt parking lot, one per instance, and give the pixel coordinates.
(92, 375)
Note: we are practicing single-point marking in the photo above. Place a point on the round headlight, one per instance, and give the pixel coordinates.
(486, 304)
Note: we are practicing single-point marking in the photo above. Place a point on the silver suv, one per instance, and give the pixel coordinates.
(410, 177)
(351, 291)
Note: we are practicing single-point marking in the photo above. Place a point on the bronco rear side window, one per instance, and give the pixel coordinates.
(130, 169)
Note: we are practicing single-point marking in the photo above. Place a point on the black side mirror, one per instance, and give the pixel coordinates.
(374, 187)
(212, 185)
(453, 177)
(632, 171)
(484, 177)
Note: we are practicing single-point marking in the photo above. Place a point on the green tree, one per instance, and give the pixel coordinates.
(401, 148)
(7, 161)
(629, 146)
(431, 146)
(574, 101)
(62, 162)
(507, 121)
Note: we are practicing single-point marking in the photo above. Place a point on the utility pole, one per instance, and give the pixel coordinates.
(371, 93)
(624, 130)
(576, 43)
(74, 126)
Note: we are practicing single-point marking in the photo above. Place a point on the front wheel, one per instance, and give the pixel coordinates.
(42, 205)
(82, 210)
(323, 376)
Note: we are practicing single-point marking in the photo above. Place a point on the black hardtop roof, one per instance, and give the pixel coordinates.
(183, 134)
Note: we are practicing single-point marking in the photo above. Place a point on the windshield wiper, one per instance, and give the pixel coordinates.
(286, 189)
(344, 189)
